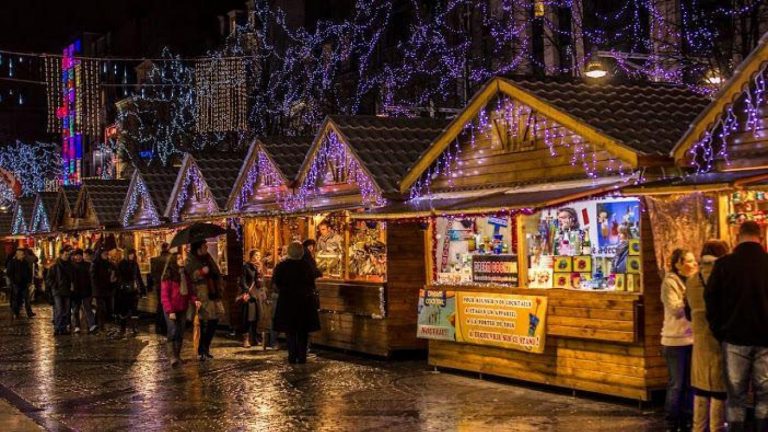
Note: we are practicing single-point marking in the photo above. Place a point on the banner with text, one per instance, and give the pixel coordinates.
(502, 320)
(437, 315)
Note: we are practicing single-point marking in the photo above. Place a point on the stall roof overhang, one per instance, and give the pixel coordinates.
(629, 120)
(704, 182)
(497, 201)
(741, 78)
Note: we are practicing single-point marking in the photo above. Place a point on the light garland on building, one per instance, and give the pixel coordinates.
(193, 184)
(19, 225)
(32, 164)
(40, 219)
(262, 173)
(333, 162)
(139, 195)
(555, 137)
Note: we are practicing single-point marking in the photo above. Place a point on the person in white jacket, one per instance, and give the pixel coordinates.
(677, 340)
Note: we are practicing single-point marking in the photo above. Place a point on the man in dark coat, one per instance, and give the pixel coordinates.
(20, 275)
(737, 310)
(296, 313)
(103, 284)
(82, 293)
(249, 299)
(156, 266)
(127, 298)
(62, 278)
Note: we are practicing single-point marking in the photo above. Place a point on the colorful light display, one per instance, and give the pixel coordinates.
(69, 114)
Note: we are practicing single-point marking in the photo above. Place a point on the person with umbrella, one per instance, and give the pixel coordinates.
(176, 297)
(206, 280)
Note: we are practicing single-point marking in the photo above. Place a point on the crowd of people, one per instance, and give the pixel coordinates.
(97, 292)
(715, 335)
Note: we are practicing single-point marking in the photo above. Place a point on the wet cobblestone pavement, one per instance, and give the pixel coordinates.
(92, 383)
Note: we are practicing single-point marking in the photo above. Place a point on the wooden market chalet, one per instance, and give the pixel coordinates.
(410, 213)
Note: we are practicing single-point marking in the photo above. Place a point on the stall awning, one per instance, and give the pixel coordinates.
(705, 182)
(495, 201)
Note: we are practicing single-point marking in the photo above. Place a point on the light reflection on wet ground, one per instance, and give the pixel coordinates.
(89, 383)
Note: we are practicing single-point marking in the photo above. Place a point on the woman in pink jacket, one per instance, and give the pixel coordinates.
(176, 298)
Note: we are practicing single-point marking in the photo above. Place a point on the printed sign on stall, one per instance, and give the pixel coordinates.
(437, 315)
(502, 320)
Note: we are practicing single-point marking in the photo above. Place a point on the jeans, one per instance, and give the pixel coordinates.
(679, 402)
(176, 327)
(19, 296)
(160, 317)
(61, 311)
(297, 346)
(85, 304)
(207, 331)
(741, 364)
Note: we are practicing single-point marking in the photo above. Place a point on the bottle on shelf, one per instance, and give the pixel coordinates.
(586, 245)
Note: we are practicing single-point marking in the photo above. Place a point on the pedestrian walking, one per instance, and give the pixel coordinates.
(707, 378)
(156, 265)
(296, 313)
(677, 340)
(737, 309)
(130, 287)
(19, 275)
(206, 282)
(103, 284)
(82, 294)
(62, 279)
(176, 296)
(250, 295)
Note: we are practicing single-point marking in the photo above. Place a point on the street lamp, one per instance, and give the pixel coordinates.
(595, 68)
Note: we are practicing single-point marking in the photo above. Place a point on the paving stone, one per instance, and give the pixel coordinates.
(93, 383)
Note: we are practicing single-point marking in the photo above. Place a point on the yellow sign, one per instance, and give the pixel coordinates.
(502, 320)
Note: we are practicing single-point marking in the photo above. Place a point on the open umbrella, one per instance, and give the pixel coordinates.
(196, 232)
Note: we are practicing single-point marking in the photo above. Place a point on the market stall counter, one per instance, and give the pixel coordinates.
(565, 296)
(372, 272)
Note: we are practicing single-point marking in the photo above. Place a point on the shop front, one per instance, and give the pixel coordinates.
(539, 267)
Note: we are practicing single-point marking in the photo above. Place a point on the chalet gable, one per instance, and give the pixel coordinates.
(22, 216)
(100, 202)
(191, 195)
(530, 131)
(730, 134)
(44, 213)
(148, 196)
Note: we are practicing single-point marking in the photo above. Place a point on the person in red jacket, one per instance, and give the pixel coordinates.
(176, 297)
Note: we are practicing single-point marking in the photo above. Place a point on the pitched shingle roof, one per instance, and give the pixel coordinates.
(388, 146)
(287, 152)
(220, 173)
(107, 197)
(6, 223)
(159, 182)
(648, 117)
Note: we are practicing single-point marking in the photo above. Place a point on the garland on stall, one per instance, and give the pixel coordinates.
(140, 195)
(507, 115)
(40, 220)
(193, 182)
(334, 163)
(263, 173)
(713, 145)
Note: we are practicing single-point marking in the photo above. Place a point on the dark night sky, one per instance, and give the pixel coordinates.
(47, 25)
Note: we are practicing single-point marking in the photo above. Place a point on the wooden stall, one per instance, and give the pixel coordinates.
(372, 270)
(538, 269)
(200, 193)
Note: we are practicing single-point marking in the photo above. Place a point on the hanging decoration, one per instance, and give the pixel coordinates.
(222, 99)
(53, 81)
(333, 164)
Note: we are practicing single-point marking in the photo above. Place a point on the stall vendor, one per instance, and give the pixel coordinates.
(329, 242)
